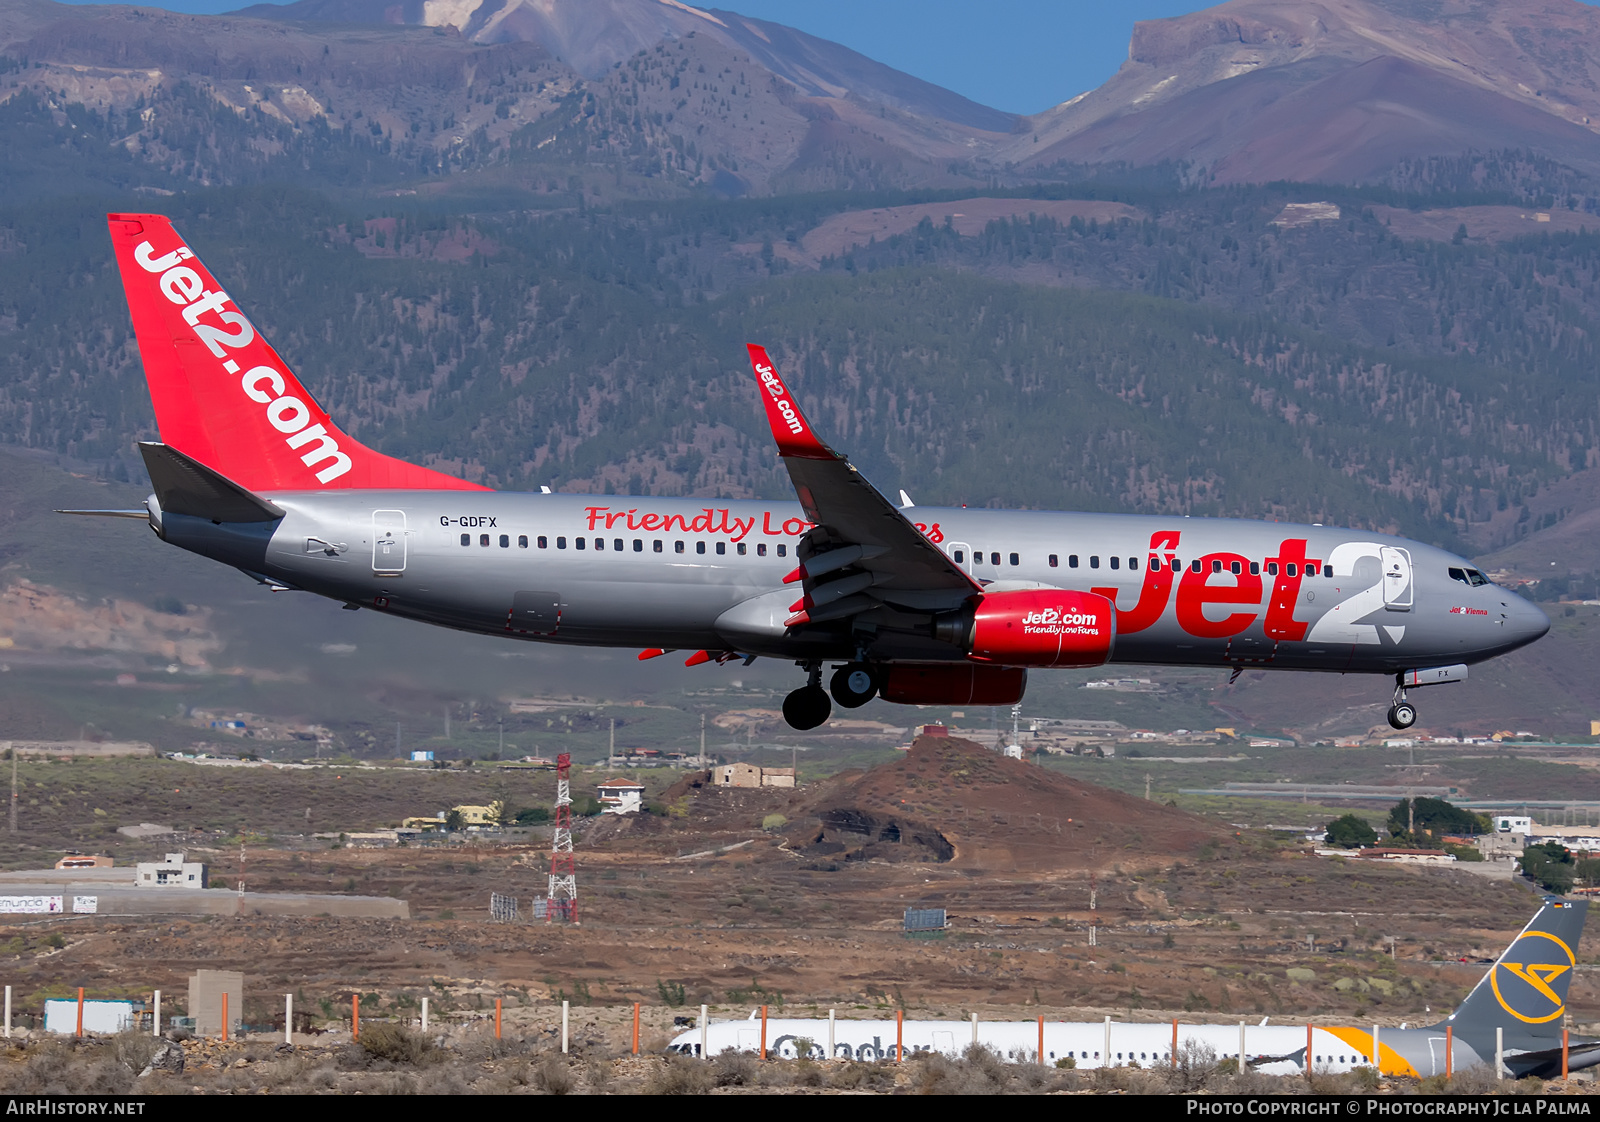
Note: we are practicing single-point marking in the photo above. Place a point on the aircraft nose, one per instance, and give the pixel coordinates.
(1525, 621)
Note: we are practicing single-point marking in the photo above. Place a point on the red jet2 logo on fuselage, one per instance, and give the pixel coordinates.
(1195, 593)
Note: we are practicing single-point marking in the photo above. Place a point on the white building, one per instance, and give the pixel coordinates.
(174, 872)
(1512, 824)
(619, 796)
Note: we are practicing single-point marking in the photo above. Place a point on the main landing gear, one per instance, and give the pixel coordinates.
(1402, 714)
(808, 706)
(852, 686)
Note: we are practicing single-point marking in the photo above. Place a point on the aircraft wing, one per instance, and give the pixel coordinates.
(857, 532)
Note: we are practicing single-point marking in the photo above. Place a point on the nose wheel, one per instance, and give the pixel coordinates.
(1402, 714)
(808, 706)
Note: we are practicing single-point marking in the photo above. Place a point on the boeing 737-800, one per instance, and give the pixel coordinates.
(912, 604)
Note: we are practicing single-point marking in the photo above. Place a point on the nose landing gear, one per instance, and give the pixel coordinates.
(808, 706)
(1402, 714)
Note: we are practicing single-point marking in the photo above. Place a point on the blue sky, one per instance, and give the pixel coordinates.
(1022, 56)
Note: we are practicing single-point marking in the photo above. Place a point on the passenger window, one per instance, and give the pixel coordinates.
(1155, 564)
(1289, 569)
(561, 543)
(1255, 568)
(1072, 560)
(1133, 562)
(1272, 568)
(1094, 561)
(960, 556)
(782, 550)
(677, 547)
(1015, 559)
(994, 559)
(616, 544)
(700, 547)
(1053, 562)
(1194, 566)
(1234, 567)
(1216, 566)
(522, 541)
(761, 549)
(1327, 571)
(466, 539)
(638, 545)
(1116, 562)
(505, 541)
(544, 542)
(741, 549)
(579, 543)
(600, 544)
(722, 547)
(483, 539)
(656, 545)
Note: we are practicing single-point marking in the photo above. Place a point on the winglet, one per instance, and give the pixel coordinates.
(790, 428)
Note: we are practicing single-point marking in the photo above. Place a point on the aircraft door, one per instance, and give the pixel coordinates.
(1397, 582)
(1436, 1053)
(388, 542)
(961, 554)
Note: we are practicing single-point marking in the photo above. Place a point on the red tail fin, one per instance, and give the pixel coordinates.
(222, 395)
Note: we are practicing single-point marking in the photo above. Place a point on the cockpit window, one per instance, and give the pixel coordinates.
(1470, 577)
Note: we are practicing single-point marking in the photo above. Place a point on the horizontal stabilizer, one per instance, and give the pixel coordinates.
(144, 514)
(186, 486)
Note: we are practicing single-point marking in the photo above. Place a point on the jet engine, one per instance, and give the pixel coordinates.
(1035, 627)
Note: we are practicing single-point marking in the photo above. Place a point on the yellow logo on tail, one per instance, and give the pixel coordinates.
(1534, 1002)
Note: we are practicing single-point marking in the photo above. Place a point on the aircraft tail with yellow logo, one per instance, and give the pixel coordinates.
(1524, 994)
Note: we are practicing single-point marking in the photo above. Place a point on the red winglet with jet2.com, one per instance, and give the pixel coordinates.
(222, 395)
(789, 426)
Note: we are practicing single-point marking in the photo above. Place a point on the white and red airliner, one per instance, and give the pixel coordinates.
(912, 604)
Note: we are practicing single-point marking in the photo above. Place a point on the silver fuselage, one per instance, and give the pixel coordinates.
(708, 574)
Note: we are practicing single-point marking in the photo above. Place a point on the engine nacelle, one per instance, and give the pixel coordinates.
(953, 683)
(1043, 627)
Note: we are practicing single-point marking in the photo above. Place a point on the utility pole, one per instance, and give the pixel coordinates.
(447, 722)
(397, 751)
(12, 747)
(702, 740)
(612, 750)
(1147, 787)
(501, 722)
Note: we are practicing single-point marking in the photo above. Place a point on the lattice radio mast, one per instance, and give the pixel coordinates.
(562, 899)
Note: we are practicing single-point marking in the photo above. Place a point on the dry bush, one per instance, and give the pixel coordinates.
(134, 1050)
(391, 1083)
(857, 1075)
(58, 1068)
(299, 1075)
(396, 1044)
(478, 1045)
(598, 1072)
(555, 1076)
(680, 1075)
(1476, 1080)
(442, 1079)
(1196, 1068)
(940, 1075)
(733, 1069)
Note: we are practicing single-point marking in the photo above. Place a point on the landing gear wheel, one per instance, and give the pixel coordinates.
(1402, 715)
(853, 685)
(807, 707)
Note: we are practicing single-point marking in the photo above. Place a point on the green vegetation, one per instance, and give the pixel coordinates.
(1433, 818)
(1551, 865)
(1351, 832)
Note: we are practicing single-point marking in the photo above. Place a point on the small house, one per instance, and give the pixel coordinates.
(620, 796)
(173, 872)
